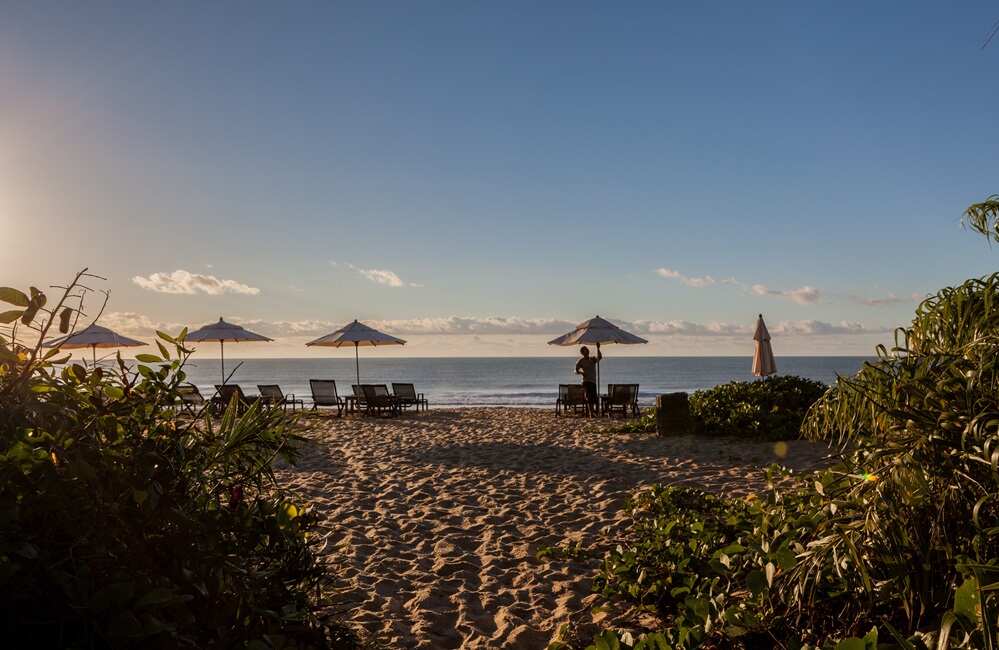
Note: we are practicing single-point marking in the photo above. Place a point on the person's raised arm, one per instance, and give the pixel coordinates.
(600, 355)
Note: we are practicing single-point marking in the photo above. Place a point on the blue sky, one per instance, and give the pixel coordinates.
(533, 164)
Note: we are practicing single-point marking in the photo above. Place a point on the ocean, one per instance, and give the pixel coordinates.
(527, 382)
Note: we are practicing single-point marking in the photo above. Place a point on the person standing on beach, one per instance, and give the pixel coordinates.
(587, 367)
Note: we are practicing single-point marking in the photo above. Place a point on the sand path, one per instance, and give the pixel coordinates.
(436, 518)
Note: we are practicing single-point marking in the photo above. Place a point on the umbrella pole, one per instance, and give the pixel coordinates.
(222, 358)
(93, 348)
(357, 365)
(598, 378)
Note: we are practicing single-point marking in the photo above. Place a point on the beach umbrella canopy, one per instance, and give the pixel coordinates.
(358, 335)
(763, 358)
(93, 336)
(595, 332)
(222, 332)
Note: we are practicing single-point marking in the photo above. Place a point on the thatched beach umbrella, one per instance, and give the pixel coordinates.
(356, 334)
(93, 337)
(222, 332)
(763, 358)
(594, 332)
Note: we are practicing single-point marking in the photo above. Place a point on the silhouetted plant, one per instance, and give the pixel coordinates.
(124, 525)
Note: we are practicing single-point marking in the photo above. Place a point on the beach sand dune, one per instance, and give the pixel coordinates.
(435, 520)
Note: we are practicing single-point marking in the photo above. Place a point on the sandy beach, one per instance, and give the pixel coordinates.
(435, 520)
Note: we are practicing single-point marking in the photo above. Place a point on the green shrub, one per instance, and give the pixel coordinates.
(126, 526)
(770, 409)
(645, 423)
(688, 553)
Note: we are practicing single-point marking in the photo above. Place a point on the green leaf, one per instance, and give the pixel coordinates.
(786, 559)
(13, 296)
(9, 317)
(966, 603)
(756, 582)
(28, 314)
(851, 643)
(37, 297)
(148, 358)
(871, 639)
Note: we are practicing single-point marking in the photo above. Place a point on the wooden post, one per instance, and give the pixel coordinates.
(673, 415)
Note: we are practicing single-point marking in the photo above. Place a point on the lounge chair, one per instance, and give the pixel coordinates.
(226, 393)
(191, 399)
(324, 394)
(407, 396)
(271, 395)
(621, 397)
(357, 403)
(570, 396)
(378, 401)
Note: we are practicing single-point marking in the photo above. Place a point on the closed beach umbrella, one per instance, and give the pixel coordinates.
(597, 331)
(222, 332)
(763, 358)
(356, 334)
(93, 337)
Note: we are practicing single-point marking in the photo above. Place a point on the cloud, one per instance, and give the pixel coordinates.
(690, 281)
(805, 295)
(382, 276)
(378, 276)
(289, 327)
(514, 325)
(820, 328)
(475, 325)
(687, 328)
(136, 324)
(185, 282)
(719, 329)
(130, 322)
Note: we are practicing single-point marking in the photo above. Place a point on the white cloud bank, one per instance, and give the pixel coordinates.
(185, 282)
(137, 324)
(130, 322)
